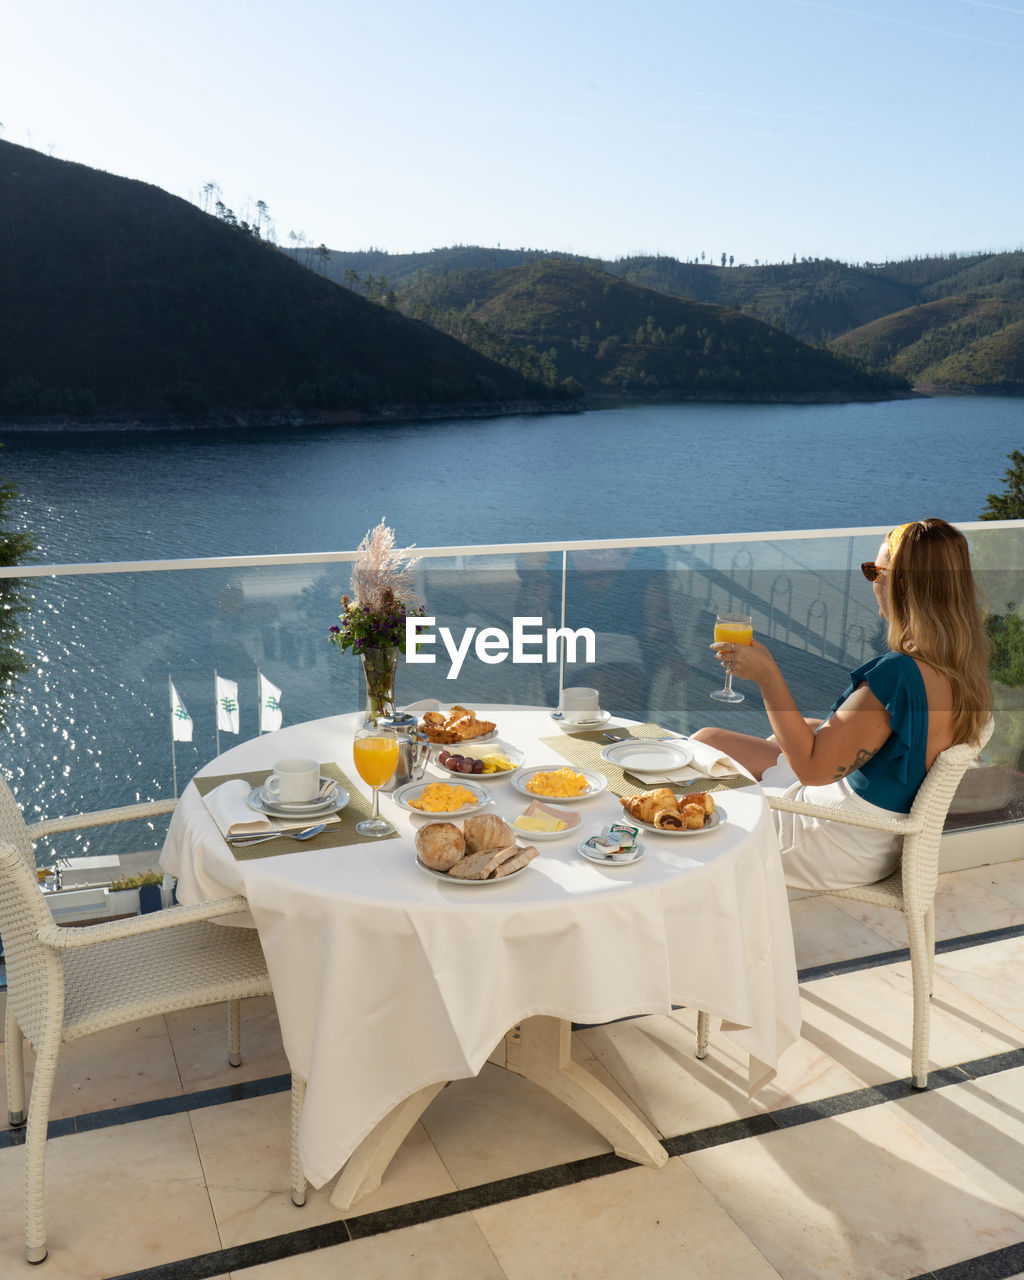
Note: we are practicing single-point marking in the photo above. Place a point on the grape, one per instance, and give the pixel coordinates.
(443, 757)
(452, 763)
(465, 766)
(478, 766)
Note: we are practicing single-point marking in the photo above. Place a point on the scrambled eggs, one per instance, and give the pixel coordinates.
(559, 782)
(441, 797)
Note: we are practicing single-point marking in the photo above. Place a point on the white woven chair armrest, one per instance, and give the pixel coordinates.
(100, 818)
(899, 826)
(134, 926)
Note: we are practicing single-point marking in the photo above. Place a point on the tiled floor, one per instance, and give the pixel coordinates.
(836, 1170)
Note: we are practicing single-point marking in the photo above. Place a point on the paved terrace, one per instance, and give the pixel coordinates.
(164, 1162)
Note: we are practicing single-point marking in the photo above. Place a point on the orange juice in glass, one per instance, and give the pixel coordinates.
(732, 628)
(375, 752)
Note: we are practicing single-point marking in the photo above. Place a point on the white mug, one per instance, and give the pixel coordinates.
(580, 705)
(294, 781)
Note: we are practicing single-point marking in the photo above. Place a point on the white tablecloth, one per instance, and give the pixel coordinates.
(388, 979)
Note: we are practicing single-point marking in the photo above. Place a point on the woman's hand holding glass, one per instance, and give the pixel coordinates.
(731, 629)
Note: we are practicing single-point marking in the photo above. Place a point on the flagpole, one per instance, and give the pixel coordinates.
(216, 704)
(259, 697)
(174, 755)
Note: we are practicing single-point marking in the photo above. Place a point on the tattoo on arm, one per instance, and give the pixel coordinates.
(860, 760)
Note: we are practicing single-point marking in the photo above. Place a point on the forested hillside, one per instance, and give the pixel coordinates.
(120, 298)
(946, 323)
(574, 325)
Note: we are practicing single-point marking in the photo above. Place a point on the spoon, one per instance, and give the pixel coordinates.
(307, 834)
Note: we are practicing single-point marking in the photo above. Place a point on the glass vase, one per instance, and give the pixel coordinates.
(379, 666)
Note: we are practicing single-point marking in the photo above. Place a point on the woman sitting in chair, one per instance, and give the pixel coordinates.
(881, 737)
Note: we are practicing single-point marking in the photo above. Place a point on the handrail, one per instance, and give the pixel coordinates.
(428, 553)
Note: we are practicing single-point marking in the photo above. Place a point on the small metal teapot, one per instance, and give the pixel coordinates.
(413, 749)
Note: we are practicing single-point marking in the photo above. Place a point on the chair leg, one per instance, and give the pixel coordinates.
(235, 1032)
(15, 1064)
(298, 1177)
(35, 1151)
(703, 1033)
(922, 958)
(929, 942)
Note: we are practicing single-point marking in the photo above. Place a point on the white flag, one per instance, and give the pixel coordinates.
(181, 721)
(227, 705)
(270, 705)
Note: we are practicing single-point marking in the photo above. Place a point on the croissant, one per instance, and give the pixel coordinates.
(693, 816)
(669, 820)
(704, 798)
(648, 804)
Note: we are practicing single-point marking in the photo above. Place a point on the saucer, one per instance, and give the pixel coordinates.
(579, 726)
(603, 861)
(336, 798)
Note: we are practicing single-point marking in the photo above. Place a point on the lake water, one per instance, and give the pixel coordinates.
(657, 470)
(104, 648)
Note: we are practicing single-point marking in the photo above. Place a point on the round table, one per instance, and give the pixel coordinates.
(390, 981)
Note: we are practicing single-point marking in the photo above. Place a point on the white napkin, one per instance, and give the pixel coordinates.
(228, 808)
(707, 762)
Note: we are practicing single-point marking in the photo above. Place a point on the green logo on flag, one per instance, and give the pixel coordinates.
(272, 703)
(229, 705)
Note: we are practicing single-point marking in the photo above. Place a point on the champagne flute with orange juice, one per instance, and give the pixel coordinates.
(732, 628)
(375, 752)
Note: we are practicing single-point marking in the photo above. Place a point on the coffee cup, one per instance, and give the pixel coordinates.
(579, 705)
(294, 781)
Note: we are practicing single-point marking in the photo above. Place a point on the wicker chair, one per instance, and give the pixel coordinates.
(67, 983)
(910, 889)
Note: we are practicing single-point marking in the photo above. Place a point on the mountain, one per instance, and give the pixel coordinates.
(121, 299)
(946, 323)
(572, 324)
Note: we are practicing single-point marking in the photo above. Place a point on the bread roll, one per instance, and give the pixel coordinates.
(485, 831)
(440, 845)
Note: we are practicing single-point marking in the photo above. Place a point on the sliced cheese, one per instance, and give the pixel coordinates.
(539, 822)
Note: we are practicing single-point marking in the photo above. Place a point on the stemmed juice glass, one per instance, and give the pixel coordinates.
(375, 752)
(732, 628)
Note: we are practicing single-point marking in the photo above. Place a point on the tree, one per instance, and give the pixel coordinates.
(1008, 505)
(15, 548)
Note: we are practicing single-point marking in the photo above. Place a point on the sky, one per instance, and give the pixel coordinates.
(868, 131)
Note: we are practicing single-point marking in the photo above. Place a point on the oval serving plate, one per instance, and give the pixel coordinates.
(413, 790)
(715, 820)
(640, 755)
(596, 783)
(337, 799)
(476, 750)
(443, 875)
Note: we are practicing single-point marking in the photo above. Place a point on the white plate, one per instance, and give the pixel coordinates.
(602, 861)
(574, 726)
(413, 791)
(477, 750)
(532, 836)
(596, 783)
(443, 875)
(642, 755)
(336, 799)
(716, 819)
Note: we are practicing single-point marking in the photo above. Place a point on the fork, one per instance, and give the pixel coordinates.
(306, 834)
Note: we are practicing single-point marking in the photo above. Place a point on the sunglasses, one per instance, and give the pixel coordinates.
(872, 571)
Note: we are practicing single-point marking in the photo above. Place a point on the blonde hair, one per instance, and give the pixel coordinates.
(934, 613)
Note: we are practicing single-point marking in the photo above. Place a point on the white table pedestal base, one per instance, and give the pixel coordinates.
(540, 1049)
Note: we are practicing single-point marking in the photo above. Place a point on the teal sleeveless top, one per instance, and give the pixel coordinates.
(891, 777)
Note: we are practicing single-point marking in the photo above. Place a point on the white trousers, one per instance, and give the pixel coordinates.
(817, 854)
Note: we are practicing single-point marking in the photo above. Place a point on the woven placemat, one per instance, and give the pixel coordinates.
(584, 751)
(334, 837)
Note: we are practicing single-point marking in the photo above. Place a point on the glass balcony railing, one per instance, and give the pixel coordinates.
(90, 727)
